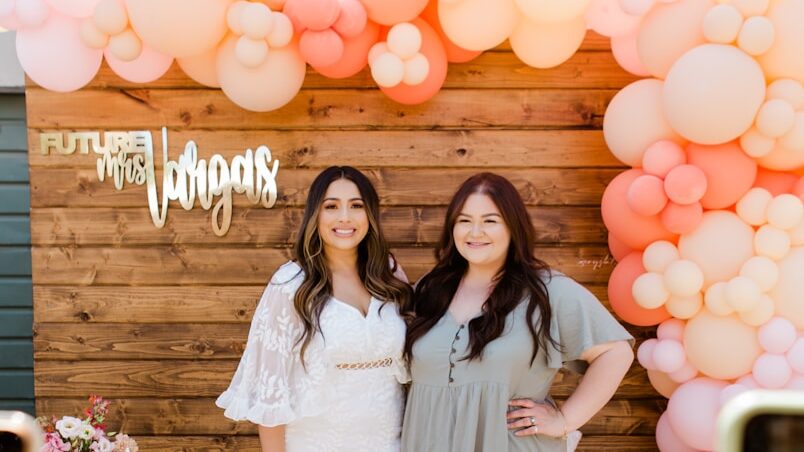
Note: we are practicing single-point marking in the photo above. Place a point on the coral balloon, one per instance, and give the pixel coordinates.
(165, 26)
(355, 53)
(682, 218)
(315, 15)
(789, 288)
(478, 24)
(352, 19)
(783, 59)
(635, 120)
(147, 67)
(668, 31)
(321, 48)
(390, 12)
(607, 18)
(202, 68)
(646, 195)
(74, 8)
(634, 230)
(662, 383)
(685, 184)
(721, 347)
(712, 93)
(692, 412)
(551, 10)
(729, 172)
(544, 45)
(624, 49)
(720, 245)
(661, 157)
(72, 67)
(618, 249)
(267, 87)
(455, 54)
(666, 438)
(437, 72)
(621, 298)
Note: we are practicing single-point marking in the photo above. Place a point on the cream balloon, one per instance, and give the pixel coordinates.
(753, 206)
(251, 52)
(282, 32)
(712, 93)
(756, 36)
(761, 313)
(782, 158)
(787, 293)
(387, 70)
(722, 24)
(404, 40)
(202, 68)
(256, 20)
(552, 10)
(751, 7)
(771, 242)
(478, 24)
(721, 347)
(110, 16)
(755, 144)
(783, 59)
(125, 46)
(92, 36)
(684, 307)
(762, 270)
(720, 245)
(416, 70)
(794, 138)
(635, 120)
(683, 278)
(742, 293)
(785, 211)
(658, 255)
(668, 31)
(545, 45)
(789, 90)
(637, 7)
(776, 117)
(649, 290)
(715, 299)
(233, 16)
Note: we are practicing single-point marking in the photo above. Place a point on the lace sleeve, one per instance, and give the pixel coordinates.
(270, 386)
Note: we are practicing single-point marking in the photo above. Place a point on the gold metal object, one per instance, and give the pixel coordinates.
(366, 365)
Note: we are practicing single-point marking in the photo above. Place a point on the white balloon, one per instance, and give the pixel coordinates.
(722, 24)
(416, 70)
(251, 52)
(282, 32)
(753, 206)
(762, 270)
(757, 35)
(256, 20)
(404, 40)
(785, 211)
(658, 255)
(771, 242)
(388, 70)
(683, 278)
(649, 290)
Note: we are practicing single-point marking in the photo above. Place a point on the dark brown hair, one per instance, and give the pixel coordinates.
(375, 264)
(521, 276)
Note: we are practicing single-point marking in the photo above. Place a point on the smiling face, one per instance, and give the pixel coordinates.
(481, 236)
(342, 219)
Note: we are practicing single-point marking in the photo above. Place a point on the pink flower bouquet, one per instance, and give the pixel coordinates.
(85, 435)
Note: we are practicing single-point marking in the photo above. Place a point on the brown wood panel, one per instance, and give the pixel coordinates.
(542, 186)
(376, 148)
(132, 109)
(180, 265)
(585, 69)
(152, 416)
(402, 225)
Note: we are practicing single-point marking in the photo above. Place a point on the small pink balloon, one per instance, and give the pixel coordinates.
(693, 410)
(618, 249)
(662, 156)
(686, 373)
(671, 329)
(795, 356)
(321, 48)
(796, 383)
(355, 54)
(682, 219)
(607, 18)
(666, 438)
(9, 21)
(685, 184)
(74, 8)
(669, 355)
(645, 354)
(624, 49)
(778, 335)
(352, 19)
(313, 14)
(772, 371)
(147, 67)
(71, 67)
(748, 381)
(730, 391)
(32, 13)
(646, 195)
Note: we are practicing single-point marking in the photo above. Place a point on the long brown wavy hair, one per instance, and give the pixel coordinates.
(375, 264)
(521, 276)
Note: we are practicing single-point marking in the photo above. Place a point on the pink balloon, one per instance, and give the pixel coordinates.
(778, 335)
(666, 438)
(646, 195)
(352, 19)
(68, 69)
(645, 354)
(682, 219)
(149, 66)
(671, 329)
(747, 381)
(390, 12)
(32, 13)
(661, 157)
(796, 383)
(772, 371)
(9, 21)
(433, 50)
(618, 249)
(730, 391)
(621, 297)
(74, 8)
(607, 18)
(624, 49)
(321, 48)
(313, 14)
(692, 412)
(795, 356)
(634, 230)
(669, 355)
(355, 54)
(685, 184)
(684, 374)
(730, 173)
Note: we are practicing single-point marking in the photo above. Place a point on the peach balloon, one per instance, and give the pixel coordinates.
(74, 8)
(256, 20)
(387, 70)
(404, 40)
(165, 26)
(478, 24)
(634, 230)
(147, 67)
(390, 12)
(658, 255)
(110, 16)
(719, 245)
(661, 157)
(783, 59)
(668, 31)
(759, 314)
(92, 36)
(682, 218)
(692, 412)
(636, 7)
(755, 144)
(771, 242)
(545, 45)
(649, 291)
(624, 49)
(712, 93)
(646, 195)
(785, 211)
(455, 54)
(742, 293)
(233, 16)
(355, 53)
(751, 7)
(684, 307)
(282, 32)
(266, 87)
(202, 68)
(635, 120)
(662, 383)
(782, 158)
(787, 89)
(607, 18)
(620, 296)
(436, 75)
(721, 347)
(790, 286)
(315, 15)
(757, 35)
(618, 249)
(683, 278)
(722, 24)
(729, 172)
(685, 184)
(251, 52)
(775, 118)
(762, 270)
(552, 11)
(125, 46)
(794, 138)
(416, 70)
(321, 48)
(715, 299)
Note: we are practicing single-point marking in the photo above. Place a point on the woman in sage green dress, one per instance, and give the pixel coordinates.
(493, 325)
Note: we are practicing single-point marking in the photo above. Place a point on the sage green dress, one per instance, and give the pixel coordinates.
(458, 405)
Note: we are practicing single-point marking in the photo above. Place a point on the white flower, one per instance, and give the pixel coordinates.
(86, 432)
(102, 445)
(69, 427)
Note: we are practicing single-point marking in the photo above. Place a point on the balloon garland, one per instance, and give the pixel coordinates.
(708, 224)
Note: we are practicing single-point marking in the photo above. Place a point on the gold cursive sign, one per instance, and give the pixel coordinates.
(128, 157)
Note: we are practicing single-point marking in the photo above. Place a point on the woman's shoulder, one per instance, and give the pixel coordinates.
(288, 277)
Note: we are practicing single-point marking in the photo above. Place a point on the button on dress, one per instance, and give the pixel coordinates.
(349, 396)
(457, 405)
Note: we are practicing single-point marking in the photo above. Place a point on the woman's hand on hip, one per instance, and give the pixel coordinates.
(535, 418)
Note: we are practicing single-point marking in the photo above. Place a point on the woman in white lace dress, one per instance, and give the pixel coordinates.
(323, 368)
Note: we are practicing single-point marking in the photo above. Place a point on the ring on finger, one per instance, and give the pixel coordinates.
(532, 421)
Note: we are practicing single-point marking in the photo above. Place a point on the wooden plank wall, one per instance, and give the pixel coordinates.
(157, 319)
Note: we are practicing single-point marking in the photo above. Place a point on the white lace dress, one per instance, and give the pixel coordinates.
(349, 396)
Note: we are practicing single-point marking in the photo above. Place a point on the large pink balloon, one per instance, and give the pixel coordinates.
(621, 297)
(437, 57)
(713, 93)
(355, 54)
(390, 12)
(266, 87)
(624, 49)
(74, 8)
(55, 57)
(666, 438)
(149, 66)
(722, 347)
(202, 68)
(635, 120)
(730, 173)
(668, 31)
(633, 230)
(692, 412)
(179, 28)
(719, 245)
(783, 60)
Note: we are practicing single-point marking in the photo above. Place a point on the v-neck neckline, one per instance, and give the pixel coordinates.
(354, 308)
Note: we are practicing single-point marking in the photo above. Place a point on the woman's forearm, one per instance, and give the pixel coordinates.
(598, 385)
(272, 439)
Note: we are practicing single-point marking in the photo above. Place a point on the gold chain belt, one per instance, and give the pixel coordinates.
(366, 365)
